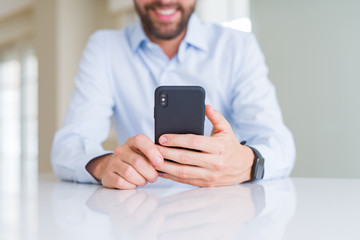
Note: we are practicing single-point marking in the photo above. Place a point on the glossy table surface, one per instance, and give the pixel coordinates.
(292, 208)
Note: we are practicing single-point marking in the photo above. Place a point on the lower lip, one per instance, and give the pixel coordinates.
(165, 18)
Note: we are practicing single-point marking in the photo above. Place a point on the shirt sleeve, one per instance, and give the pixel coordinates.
(88, 118)
(256, 113)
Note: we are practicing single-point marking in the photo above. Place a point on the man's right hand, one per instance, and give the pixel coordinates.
(132, 164)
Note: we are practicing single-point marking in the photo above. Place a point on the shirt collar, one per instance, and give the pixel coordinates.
(195, 34)
(137, 35)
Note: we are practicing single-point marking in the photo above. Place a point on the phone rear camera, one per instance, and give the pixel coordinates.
(163, 99)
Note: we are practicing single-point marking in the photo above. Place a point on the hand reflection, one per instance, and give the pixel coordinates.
(207, 213)
(129, 210)
(169, 210)
(201, 213)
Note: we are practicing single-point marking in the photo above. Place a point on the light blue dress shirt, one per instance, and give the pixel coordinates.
(120, 70)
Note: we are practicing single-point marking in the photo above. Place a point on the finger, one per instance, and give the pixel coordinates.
(220, 124)
(128, 207)
(142, 166)
(190, 181)
(128, 173)
(191, 219)
(147, 147)
(190, 141)
(147, 208)
(182, 171)
(113, 180)
(176, 204)
(108, 199)
(187, 157)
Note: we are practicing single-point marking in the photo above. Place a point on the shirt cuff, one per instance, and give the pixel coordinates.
(271, 162)
(92, 151)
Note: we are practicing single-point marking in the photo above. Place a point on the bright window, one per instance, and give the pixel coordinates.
(18, 115)
(241, 24)
(18, 139)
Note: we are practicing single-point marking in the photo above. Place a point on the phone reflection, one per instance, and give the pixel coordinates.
(249, 211)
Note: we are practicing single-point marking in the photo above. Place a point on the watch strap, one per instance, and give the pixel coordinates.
(257, 170)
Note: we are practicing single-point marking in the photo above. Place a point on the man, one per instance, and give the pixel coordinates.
(170, 46)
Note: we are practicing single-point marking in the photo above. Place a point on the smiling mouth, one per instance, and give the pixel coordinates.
(165, 12)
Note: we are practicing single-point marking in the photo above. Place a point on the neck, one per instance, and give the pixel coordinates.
(169, 47)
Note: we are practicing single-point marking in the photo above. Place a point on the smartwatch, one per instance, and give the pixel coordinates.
(257, 170)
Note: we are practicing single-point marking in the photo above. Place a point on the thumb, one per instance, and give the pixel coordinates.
(220, 124)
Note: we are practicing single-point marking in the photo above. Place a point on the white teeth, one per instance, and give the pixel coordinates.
(166, 11)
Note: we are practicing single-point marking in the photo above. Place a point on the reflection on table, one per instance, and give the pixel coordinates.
(169, 210)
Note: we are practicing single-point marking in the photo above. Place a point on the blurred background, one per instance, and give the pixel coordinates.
(311, 47)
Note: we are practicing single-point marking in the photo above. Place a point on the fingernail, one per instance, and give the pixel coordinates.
(162, 139)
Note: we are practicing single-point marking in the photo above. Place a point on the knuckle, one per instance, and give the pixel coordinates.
(193, 140)
(137, 162)
(143, 183)
(185, 158)
(118, 150)
(183, 173)
(120, 183)
(105, 182)
(212, 179)
(138, 139)
(153, 177)
(219, 164)
(106, 177)
(162, 150)
(127, 172)
(123, 184)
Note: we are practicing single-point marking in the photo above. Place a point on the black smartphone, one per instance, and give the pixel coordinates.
(179, 110)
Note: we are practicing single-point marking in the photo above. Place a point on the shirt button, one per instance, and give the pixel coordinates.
(150, 45)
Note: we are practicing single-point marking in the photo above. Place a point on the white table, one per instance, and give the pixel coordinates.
(293, 208)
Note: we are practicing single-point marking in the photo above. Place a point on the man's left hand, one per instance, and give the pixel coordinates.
(222, 160)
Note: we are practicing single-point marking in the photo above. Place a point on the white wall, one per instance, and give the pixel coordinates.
(313, 51)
